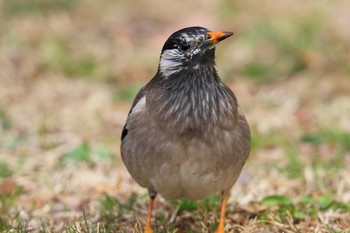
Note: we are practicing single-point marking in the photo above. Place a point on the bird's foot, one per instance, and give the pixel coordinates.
(148, 229)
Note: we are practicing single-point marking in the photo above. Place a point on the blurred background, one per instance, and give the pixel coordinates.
(69, 70)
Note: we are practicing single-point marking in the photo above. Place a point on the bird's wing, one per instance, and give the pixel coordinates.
(138, 97)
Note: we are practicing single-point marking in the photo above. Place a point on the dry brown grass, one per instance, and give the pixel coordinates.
(68, 73)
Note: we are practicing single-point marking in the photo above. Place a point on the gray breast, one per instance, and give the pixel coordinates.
(190, 147)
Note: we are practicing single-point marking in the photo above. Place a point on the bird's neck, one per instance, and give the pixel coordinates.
(189, 79)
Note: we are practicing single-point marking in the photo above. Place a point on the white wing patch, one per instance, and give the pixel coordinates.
(140, 106)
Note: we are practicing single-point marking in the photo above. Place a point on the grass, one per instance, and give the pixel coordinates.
(70, 70)
(57, 57)
(17, 7)
(276, 211)
(4, 120)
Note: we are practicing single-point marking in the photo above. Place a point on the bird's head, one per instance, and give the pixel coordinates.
(188, 48)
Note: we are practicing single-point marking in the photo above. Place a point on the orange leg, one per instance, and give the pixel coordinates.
(148, 227)
(221, 226)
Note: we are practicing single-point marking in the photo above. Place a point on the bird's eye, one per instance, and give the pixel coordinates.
(184, 45)
(207, 37)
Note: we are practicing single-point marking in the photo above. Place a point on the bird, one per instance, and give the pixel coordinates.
(186, 136)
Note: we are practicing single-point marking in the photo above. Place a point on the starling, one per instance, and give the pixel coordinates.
(186, 135)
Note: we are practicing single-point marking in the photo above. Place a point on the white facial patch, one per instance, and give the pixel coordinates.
(170, 62)
(196, 51)
(186, 37)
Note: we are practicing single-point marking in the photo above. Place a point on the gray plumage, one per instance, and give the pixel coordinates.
(185, 135)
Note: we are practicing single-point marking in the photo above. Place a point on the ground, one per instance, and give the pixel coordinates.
(70, 69)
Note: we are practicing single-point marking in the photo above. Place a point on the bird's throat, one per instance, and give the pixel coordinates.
(193, 98)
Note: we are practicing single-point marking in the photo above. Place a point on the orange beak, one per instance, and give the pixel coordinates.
(216, 37)
(213, 38)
